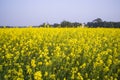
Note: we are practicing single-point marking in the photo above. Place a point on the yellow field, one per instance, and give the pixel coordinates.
(59, 54)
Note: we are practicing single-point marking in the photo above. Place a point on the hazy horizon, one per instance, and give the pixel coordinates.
(36, 12)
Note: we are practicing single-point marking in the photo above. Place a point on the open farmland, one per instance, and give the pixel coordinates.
(59, 54)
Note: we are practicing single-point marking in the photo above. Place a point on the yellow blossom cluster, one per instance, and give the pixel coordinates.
(59, 54)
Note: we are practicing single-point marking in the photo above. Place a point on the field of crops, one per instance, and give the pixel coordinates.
(59, 54)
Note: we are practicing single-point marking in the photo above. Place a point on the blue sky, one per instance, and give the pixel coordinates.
(35, 12)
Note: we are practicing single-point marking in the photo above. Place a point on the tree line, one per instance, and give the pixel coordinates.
(94, 24)
(62, 24)
(100, 23)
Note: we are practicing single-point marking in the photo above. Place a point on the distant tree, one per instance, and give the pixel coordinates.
(99, 23)
(1, 26)
(98, 20)
(66, 24)
(76, 24)
(56, 25)
(45, 25)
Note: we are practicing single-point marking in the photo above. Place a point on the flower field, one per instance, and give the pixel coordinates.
(59, 54)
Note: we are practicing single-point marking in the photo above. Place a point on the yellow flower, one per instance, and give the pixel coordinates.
(82, 53)
(39, 63)
(8, 55)
(46, 74)
(29, 70)
(86, 75)
(48, 63)
(33, 63)
(38, 75)
(20, 79)
(79, 77)
(109, 62)
(73, 76)
(83, 65)
(52, 76)
(64, 79)
(106, 69)
(6, 77)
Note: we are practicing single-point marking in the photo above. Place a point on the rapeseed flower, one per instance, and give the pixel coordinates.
(60, 53)
(33, 63)
(38, 75)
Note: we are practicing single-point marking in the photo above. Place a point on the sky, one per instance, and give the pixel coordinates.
(36, 12)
